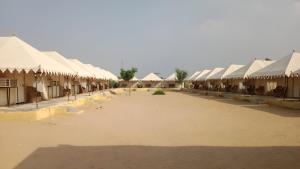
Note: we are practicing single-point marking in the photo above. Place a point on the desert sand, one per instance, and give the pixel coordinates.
(142, 131)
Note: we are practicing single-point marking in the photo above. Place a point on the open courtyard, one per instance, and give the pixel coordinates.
(141, 131)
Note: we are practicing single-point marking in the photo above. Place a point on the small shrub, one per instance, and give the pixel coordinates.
(133, 90)
(159, 92)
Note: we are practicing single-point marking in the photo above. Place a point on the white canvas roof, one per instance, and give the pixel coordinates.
(80, 68)
(61, 60)
(250, 68)
(213, 72)
(151, 77)
(16, 54)
(134, 79)
(111, 76)
(222, 74)
(193, 76)
(283, 67)
(98, 73)
(172, 77)
(203, 75)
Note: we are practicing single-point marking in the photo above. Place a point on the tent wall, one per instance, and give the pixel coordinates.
(152, 84)
(171, 84)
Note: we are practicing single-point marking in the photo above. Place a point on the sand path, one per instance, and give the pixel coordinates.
(176, 131)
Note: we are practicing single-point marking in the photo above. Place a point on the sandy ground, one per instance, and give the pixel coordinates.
(143, 131)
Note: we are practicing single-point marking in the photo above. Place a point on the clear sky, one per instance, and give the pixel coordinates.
(156, 35)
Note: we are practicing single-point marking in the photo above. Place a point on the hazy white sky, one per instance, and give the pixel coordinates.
(156, 35)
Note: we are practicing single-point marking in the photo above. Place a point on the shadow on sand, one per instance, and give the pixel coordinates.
(261, 107)
(153, 157)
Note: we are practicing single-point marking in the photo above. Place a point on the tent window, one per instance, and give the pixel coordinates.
(271, 86)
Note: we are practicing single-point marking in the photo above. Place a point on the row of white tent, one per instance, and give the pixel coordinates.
(154, 77)
(288, 66)
(17, 55)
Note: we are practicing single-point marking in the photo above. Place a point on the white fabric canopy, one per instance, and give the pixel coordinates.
(193, 76)
(151, 77)
(134, 79)
(203, 75)
(223, 73)
(213, 72)
(283, 67)
(61, 60)
(81, 69)
(172, 77)
(16, 54)
(250, 68)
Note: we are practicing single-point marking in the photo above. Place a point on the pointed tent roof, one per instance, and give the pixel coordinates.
(250, 68)
(151, 77)
(172, 77)
(61, 60)
(283, 67)
(220, 75)
(134, 79)
(111, 76)
(213, 72)
(18, 55)
(99, 74)
(203, 75)
(193, 76)
(81, 69)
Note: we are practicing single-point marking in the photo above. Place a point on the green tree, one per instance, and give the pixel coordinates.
(127, 75)
(180, 75)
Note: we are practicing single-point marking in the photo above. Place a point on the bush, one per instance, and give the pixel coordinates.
(159, 92)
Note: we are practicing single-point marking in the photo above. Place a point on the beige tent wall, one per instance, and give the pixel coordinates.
(152, 84)
(17, 94)
(297, 87)
(294, 87)
(170, 84)
(132, 84)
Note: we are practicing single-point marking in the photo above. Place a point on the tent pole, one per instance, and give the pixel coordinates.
(24, 85)
(17, 90)
(36, 93)
(68, 88)
(293, 86)
(7, 97)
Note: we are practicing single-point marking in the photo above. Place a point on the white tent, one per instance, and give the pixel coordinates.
(111, 76)
(172, 77)
(16, 54)
(283, 67)
(98, 73)
(61, 60)
(202, 75)
(297, 73)
(81, 69)
(222, 74)
(151, 77)
(213, 72)
(250, 68)
(134, 79)
(193, 76)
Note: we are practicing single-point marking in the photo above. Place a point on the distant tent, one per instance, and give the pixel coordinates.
(172, 77)
(222, 74)
(151, 77)
(134, 79)
(250, 68)
(193, 76)
(213, 72)
(202, 75)
(83, 71)
(283, 67)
